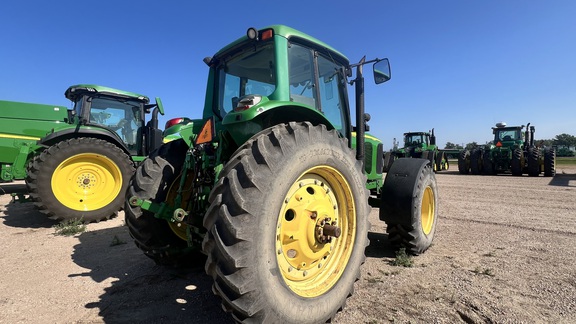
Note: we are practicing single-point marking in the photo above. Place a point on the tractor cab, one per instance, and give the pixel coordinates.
(117, 113)
(511, 136)
(279, 74)
(419, 139)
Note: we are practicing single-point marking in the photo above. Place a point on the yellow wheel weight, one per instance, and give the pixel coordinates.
(316, 231)
(86, 182)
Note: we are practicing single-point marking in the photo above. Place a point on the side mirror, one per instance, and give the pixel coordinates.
(381, 71)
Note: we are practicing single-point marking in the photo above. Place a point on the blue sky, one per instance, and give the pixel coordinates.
(457, 66)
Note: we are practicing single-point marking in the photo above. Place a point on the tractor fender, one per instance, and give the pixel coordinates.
(76, 132)
(400, 187)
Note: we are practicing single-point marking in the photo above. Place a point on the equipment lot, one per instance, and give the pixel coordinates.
(504, 251)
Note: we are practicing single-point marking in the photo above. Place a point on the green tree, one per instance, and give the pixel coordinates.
(471, 146)
(565, 140)
(544, 142)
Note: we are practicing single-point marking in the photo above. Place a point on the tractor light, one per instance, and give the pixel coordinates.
(252, 34)
(499, 144)
(175, 121)
(247, 102)
(267, 34)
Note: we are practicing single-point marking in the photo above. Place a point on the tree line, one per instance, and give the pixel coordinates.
(564, 142)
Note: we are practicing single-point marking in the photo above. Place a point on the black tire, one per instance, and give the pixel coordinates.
(388, 161)
(80, 179)
(476, 161)
(533, 162)
(516, 163)
(431, 157)
(487, 163)
(251, 245)
(439, 158)
(550, 162)
(464, 162)
(154, 179)
(408, 205)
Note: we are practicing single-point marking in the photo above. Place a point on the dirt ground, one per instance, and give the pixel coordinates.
(504, 252)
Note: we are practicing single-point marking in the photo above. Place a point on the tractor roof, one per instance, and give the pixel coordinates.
(75, 91)
(288, 33)
(416, 133)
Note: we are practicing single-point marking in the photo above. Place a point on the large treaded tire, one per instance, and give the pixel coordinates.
(516, 163)
(533, 162)
(440, 158)
(464, 162)
(431, 157)
(408, 205)
(487, 163)
(250, 243)
(476, 162)
(80, 179)
(152, 180)
(389, 158)
(550, 162)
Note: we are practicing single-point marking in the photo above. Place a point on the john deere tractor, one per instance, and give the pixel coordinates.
(268, 186)
(418, 145)
(512, 151)
(77, 163)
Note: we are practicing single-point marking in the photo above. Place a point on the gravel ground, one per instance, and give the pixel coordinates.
(504, 252)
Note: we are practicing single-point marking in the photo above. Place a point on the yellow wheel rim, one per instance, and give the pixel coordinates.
(86, 182)
(179, 228)
(428, 211)
(310, 256)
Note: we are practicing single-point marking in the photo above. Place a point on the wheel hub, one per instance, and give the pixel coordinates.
(326, 230)
(85, 180)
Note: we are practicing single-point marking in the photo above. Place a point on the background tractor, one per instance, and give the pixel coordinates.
(268, 186)
(77, 163)
(511, 151)
(418, 145)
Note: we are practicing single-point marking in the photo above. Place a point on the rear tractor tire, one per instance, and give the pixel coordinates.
(441, 162)
(287, 226)
(157, 179)
(516, 165)
(408, 205)
(550, 162)
(80, 179)
(476, 161)
(487, 163)
(464, 162)
(388, 161)
(533, 162)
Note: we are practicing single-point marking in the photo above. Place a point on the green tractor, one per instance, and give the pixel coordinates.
(511, 151)
(77, 163)
(418, 145)
(272, 185)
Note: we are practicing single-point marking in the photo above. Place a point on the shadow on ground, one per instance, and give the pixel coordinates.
(142, 292)
(564, 180)
(379, 246)
(24, 215)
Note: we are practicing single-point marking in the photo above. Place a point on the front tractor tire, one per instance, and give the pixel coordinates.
(549, 162)
(288, 226)
(409, 203)
(476, 162)
(79, 179)
(157, 179)
(464, 162)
